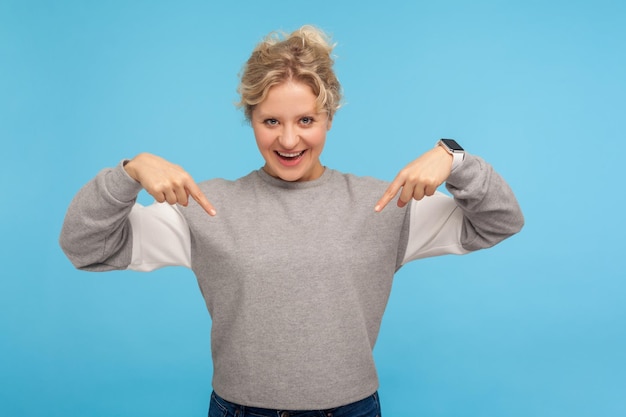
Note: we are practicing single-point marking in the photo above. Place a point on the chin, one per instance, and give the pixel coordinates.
(290, 177)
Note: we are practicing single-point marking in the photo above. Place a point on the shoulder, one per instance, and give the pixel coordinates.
(360, 184)
(221, 184)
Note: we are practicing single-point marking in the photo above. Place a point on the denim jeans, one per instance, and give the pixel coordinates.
(368, 407)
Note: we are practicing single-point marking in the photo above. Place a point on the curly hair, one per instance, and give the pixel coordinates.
(303, 56)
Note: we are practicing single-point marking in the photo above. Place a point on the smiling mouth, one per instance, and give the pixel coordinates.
(290, 156)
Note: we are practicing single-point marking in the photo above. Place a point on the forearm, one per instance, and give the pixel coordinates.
(491, 212)
(96, 234)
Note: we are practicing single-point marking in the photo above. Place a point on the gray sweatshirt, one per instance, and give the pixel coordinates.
(295, 275)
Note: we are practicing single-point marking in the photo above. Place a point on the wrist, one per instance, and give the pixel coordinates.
(454, 149)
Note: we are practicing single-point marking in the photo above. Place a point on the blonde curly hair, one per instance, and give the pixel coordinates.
(304, 56)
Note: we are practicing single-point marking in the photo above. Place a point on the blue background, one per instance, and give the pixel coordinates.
(533, 327)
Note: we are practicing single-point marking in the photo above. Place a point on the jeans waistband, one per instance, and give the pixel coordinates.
(229, 409)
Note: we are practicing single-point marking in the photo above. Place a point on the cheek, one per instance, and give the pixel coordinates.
(319, 139)
(263, 138)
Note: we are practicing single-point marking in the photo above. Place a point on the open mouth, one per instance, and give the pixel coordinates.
(290, 156)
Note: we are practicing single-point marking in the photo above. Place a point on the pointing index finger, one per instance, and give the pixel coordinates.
(389, 194)
(201, 199)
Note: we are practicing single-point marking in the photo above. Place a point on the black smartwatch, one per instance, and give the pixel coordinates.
(454, 149)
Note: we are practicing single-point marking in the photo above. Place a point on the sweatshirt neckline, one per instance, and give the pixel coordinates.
(295, 185)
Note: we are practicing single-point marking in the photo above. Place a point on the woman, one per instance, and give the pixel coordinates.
(295, 260)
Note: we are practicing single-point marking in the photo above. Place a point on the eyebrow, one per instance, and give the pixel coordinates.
(314, 112)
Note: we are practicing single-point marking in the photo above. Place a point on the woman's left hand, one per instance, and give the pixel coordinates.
(420, 178)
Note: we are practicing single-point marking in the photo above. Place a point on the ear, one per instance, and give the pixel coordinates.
(329, 124)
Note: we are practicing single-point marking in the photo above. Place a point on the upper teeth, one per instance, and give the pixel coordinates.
(290, 155)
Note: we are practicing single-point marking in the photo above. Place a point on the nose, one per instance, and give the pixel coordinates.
(288, 137)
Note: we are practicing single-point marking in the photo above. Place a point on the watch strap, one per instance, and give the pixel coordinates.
(458, 154)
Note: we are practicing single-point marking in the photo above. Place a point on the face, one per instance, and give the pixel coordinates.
(290, 132)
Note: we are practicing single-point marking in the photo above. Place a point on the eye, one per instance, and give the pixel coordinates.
(307, 120)
(270, 122)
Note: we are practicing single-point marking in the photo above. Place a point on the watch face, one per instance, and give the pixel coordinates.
(452, 144)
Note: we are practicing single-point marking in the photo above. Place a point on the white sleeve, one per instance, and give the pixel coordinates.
(435, 228)
(160, 237)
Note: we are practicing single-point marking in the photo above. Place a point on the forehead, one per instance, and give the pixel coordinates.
(290, 98)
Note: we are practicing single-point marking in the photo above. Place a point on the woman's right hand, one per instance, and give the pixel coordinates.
(166, 181)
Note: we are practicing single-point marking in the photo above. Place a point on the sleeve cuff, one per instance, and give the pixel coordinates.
(121, 186)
